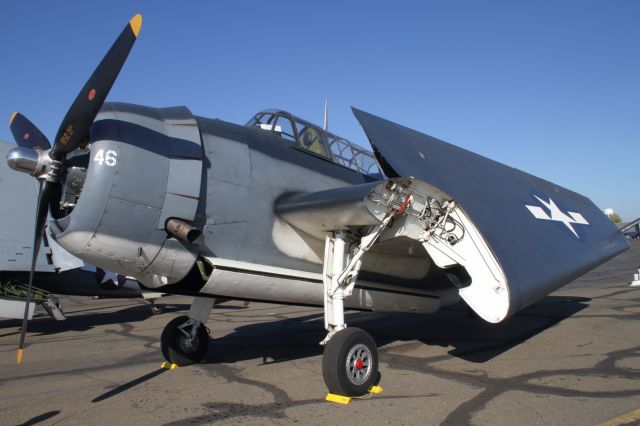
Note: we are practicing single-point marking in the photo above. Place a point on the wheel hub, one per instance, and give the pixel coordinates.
(188, 344)
(359, 364)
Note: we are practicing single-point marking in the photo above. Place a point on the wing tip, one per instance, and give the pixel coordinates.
(136, 23)
(357, 112)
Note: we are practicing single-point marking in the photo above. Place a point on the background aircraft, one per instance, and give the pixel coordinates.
(630, 229)
(57, 271)
(280, 210)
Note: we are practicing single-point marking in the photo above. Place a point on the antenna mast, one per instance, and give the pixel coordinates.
(326, 114)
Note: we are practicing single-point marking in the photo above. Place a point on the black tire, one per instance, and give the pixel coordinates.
(345, 348)
(174, 347)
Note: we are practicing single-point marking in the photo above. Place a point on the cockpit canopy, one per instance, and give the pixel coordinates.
(312, 138)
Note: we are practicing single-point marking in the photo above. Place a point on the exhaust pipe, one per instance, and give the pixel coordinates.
(184, 231)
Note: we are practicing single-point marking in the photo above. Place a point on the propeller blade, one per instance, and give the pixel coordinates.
(41, 217)
(26, 134)
(74, 129)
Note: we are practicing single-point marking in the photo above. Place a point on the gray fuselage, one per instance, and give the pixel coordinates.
(225, 179)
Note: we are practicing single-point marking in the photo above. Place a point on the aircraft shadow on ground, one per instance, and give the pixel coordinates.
(469, 337)
(286, 339)
(89, 319)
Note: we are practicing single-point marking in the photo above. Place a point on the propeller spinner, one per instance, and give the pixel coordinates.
(34, 156)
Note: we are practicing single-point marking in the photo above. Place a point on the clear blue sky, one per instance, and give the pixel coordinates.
(549, 87)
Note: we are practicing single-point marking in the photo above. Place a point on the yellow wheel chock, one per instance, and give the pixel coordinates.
(344, 400)
(169, 366)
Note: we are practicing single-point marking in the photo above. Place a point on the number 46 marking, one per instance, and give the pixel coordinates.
(109, 159)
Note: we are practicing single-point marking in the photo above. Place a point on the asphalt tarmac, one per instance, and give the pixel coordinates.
(571, 359)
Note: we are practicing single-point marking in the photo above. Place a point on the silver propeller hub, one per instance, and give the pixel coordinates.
(29, 161)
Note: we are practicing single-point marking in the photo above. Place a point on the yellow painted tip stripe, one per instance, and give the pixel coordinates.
(12, 117)
(136, 23)
(19, 358)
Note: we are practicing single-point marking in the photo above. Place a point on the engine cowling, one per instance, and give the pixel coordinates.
(145, 168)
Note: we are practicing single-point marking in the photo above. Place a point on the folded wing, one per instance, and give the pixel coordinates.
(517, 236)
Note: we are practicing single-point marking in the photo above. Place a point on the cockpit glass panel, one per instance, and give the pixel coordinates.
(312, 139)
(286, 128)
(261, 118)
(342, 153)
(366, 163)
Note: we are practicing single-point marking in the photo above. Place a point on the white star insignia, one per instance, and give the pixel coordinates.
(102, 276)
(555, 214)
(110, 276)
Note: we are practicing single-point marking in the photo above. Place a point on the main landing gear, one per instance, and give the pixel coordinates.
(185, 339)
(350, 359)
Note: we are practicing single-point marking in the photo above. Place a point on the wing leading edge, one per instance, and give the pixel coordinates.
(542, 235)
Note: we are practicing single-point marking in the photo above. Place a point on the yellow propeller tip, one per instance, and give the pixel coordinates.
(136, 23)
(12, 117)
(19, 358)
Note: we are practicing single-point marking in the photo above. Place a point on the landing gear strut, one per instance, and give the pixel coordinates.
(350, 359)
(185, 339)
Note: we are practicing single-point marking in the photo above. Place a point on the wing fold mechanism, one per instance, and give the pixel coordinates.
(353, 219)
(541, 235)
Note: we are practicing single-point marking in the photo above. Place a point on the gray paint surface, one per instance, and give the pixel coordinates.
(245, 172)
(118, 222)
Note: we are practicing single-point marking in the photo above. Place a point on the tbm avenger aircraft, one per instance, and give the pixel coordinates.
(280, 210)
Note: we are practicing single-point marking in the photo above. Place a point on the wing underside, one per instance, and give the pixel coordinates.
(516, 237)
(412, 213)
